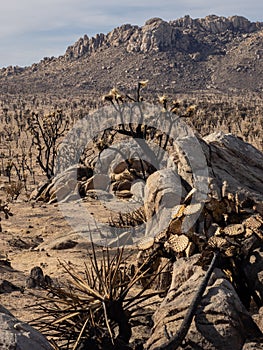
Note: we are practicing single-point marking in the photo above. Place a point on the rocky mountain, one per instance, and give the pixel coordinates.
(211, 53)
(185, 34)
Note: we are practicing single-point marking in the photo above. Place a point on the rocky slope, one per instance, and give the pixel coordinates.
(181, 55)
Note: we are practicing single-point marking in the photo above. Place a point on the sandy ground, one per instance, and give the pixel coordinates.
(28, 239)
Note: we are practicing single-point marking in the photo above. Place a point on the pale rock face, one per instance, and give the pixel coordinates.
(221, 321)
(242, 23)
(163, 192)
(137, 190)
(159, 35)
(120, 34)
(227, 160)
(238, 163)
(216, 24)
(163, 188)
(97, 181)
(155, 35)
(85, 45)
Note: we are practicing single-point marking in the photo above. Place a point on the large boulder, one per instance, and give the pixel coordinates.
(63, 184)
(221, 320)
(237, 163)
(229, 163)
(163, 193)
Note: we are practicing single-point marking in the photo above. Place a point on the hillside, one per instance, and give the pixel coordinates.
(211, 53)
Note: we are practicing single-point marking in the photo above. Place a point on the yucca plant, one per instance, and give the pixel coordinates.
(130, 219)
(95, 310)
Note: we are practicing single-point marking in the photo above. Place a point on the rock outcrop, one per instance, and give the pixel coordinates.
(159, 35)
(163, 192)
(206, 198)
(228, 166)
(233, 166)
(232, 206)
(195, 54)
(236, 164)
(18, 335)
(217, 24)
(155, 35)
(221, 321)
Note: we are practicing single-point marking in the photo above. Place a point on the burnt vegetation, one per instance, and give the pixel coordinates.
(99, 307)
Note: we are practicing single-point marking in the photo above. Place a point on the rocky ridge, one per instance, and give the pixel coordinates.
(157, 35)
(181, 55)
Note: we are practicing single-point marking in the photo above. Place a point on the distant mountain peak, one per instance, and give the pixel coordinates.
(186, 54)
(160, 35)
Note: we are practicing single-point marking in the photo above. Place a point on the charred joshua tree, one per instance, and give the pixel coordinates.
(47, 132)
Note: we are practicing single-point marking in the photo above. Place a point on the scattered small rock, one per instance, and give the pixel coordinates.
(18, 243)
(67, 244)
(37, 279)
(8, 287)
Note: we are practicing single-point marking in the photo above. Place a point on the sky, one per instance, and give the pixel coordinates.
(33, 29)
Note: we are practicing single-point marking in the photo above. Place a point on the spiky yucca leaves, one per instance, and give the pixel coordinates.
(130, 219)
(94, 309)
